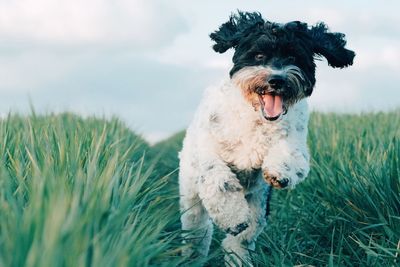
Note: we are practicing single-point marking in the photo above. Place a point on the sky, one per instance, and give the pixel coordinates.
(148, 61)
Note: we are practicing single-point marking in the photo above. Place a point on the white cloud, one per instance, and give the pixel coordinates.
(382, 54)
(89, 21)
(154, 137)
(335, 96)
(193, 49)
(45, 40)
(28, 72)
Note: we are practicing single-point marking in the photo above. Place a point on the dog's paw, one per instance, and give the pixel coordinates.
(237, 229)
(286, 175)
(286, 168)
(276, 179)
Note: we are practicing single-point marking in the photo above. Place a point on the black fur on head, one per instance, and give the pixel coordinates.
(262, 43)
(331, 46)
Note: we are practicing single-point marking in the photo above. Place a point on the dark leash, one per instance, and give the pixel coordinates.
(268, 200)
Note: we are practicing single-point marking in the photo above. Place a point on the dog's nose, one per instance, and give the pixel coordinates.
(277, 81)
(283, 182)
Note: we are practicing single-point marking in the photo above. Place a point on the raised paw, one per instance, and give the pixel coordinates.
(237, 229)
(275, 181)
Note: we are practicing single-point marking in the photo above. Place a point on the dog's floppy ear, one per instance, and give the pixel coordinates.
(331, 46)
(237, 27)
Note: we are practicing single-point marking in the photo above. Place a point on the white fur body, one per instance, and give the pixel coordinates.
(227, 148)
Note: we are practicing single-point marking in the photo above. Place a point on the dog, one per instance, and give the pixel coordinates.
(249, 133)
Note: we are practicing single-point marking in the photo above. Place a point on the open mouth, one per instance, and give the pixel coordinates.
(272, 106)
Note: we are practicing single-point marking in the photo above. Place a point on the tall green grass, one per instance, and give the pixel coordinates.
(89, 192)
(77, 192)
(347, 212)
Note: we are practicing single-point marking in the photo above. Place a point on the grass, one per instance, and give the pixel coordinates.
(348, 211)
(89, 192)
(77, 192)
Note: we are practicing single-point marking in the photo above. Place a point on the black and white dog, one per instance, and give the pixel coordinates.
(249, 133)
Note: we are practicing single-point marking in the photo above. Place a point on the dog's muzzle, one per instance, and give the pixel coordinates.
(271, 100)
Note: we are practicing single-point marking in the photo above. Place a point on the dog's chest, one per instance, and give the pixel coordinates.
(244, 144)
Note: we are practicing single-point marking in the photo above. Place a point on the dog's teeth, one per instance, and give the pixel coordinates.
(260, 91)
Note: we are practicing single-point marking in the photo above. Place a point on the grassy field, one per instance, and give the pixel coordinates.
(89, 192)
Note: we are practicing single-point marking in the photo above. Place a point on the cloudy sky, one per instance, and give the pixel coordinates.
(148, 61)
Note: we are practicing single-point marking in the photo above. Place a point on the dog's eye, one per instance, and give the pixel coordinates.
(259, 56)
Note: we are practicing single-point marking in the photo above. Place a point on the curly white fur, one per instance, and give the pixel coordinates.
(227, 148)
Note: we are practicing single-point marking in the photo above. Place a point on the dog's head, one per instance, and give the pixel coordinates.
(274, 63)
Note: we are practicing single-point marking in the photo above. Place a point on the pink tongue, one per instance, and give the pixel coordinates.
(272, 105)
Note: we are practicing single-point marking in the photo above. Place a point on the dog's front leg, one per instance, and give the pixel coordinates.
(223, 197)
(287, 160)
(286, 165)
